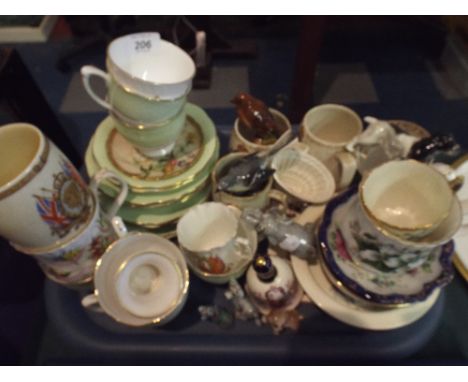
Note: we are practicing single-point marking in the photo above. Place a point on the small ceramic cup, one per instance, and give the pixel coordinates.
(379, 250)
(239, 142)
(142, 279)
(327, 129)
(152, 140)
(216, 243)
(260, 199)
(129, 105)
(42, 194)
(72, 262)
(408, 198)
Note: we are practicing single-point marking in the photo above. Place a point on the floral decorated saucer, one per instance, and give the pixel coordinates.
(385, 288)
(149, 199)
(327, 298)
(194, 149)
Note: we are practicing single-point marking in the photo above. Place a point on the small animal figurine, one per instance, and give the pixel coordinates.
(218, 315)
(283, 232)
(243, 309)
(280, 319)
(434, 148)
(255, 116)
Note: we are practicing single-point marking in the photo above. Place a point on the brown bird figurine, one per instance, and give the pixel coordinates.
(257, 119)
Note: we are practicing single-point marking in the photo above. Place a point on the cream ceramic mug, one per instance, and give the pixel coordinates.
(72, 263)
(326, 130)
(43, 199)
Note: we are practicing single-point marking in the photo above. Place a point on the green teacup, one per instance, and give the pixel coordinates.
(141, 109)
(153, 140)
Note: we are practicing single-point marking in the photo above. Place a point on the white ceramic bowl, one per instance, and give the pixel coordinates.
(303, 176)
(408, 198)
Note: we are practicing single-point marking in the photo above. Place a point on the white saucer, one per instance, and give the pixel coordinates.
(149, 285)
(327, 298)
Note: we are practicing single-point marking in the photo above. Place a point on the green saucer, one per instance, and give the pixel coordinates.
(193, 152)
(150, 198)
(155, 217)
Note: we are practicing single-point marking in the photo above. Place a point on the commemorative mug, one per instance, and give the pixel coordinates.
(327, 129)
(72, 263)
(44, 197)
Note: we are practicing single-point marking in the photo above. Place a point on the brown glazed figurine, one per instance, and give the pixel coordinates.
(256, 118)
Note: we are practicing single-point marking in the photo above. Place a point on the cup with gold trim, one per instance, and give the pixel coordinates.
(72, 262)
(44, 197)
(142, 279)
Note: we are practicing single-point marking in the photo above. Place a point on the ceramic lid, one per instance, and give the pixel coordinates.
(149, 284)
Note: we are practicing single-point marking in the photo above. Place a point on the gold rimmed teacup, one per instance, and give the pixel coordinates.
(407, 198)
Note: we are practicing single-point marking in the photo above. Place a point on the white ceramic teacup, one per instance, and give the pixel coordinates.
(215, 242)
(43, 199)
(72, 262)
(327, 129)
(142, 279)
(407, 197)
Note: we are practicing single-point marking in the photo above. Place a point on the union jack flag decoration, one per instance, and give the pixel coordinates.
(50, 213)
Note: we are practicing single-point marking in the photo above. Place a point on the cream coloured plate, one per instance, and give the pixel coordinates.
(327, 298)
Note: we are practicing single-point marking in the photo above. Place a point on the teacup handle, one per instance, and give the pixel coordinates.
(91, 302)
(100, 176)
(119, 226)
(348, 167)
(86, 72)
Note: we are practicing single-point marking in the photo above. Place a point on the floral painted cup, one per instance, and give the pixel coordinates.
(72, 263)
(216, 243)
(42, 194)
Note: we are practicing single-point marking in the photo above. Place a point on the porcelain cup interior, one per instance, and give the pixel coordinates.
(259, 199)
(215, 242)
(108, 289)
(207, 227)
(331, 126)
(151, 66)
(39, 189)
(240, 140)
(363, 237)
(408, 198)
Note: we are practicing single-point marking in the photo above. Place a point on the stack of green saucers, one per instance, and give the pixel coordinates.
(160, 190)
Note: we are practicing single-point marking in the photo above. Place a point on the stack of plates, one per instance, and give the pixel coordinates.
(160, 190)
